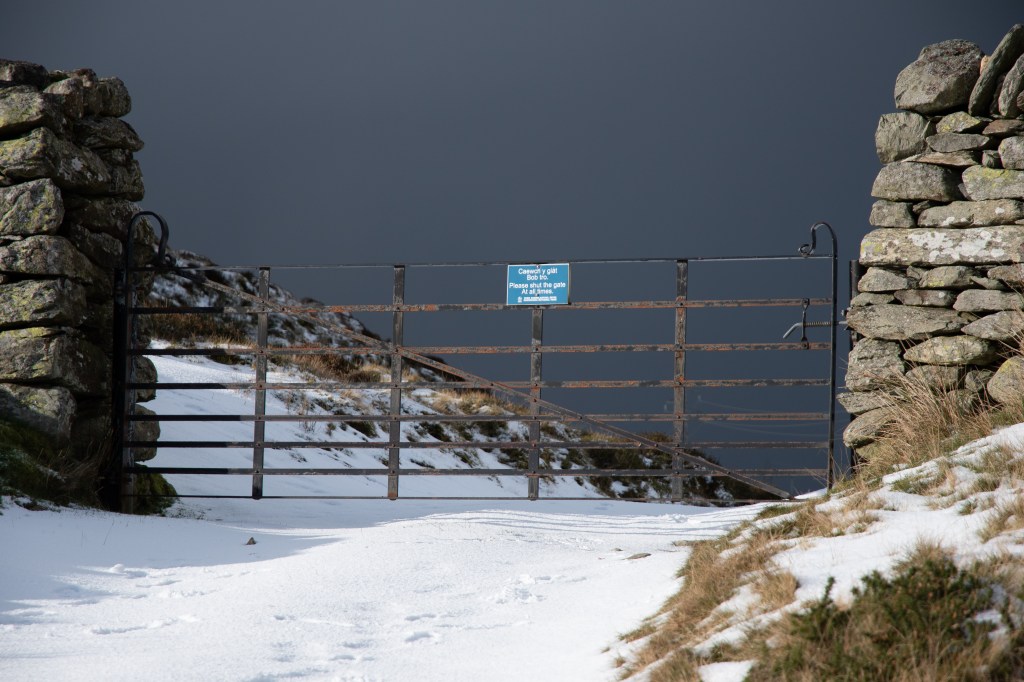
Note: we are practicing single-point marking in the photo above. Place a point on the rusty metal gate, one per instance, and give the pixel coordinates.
(541, 417)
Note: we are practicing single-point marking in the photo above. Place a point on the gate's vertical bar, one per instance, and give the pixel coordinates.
(394, 425)
(123, 397)
(679, 392)
(831, 475)
(536, 362)
(259, 426)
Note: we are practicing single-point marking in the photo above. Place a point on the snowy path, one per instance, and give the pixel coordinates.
(474, 592)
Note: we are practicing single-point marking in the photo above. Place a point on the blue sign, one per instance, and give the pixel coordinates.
(543, 284)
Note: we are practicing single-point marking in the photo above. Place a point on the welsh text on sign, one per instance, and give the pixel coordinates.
(543, 284)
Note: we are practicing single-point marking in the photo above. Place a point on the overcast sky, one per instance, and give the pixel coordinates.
(394, 131)
(332, 132)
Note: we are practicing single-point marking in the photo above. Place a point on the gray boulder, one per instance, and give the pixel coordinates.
(903, 181)
(106, 133)
(41, 154)
(959, 122)
(865, 298)
(52, 355)
(23, 108)
(940, 79)
(983, 183)
(24, 73)
(46, 411)
(947, 277)
(874, 365)
(934, 377)
(1006, 325)
(1007, 384)
(943, 246)
(891, 214)
(1002, 59)
(902, 322)
(900, 135)
(41, 303)
(1013, 85)
(953, 350)
(868, 427)
(48, 256)
(1011, 153)
(973, 213)
(878, 280)
(71, 95)
(28, 208)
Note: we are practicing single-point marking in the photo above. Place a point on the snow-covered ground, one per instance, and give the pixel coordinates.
(331, 589)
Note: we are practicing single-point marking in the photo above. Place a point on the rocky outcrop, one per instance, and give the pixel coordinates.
(941, 300)
(68, 180)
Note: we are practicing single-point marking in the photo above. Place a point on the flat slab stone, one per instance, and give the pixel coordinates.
(874, 365)
(905, 181)
(865, 298)
(28, 208)
(973, 213)
(932, 298)
(957, 142)
(947, 277)
(1010, 274)
(953, 350)
(858, 403)
(943, 246)
(877, 280)
(106, 133)
(1010, 48)
(1002, 127)
(48, 256)
(903, 322)
(940, 79)
(900, 135)
(891, 214)
(964, 159)
(983, 300)
(1005, 325)
(1011, 152)
(1007, 384)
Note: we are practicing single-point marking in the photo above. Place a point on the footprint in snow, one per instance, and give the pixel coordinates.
(420, 616)
(422, 635)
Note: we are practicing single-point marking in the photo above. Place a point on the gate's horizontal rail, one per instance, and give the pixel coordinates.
(490, 350)
(476, 264)
(461, 307)
(475, 385)
(444, 445)
(734, 416)
(541, 473)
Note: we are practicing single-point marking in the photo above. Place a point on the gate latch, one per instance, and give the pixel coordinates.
(803, 324)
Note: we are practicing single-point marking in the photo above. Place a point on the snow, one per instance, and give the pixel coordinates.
(406, 590)
(331, 589)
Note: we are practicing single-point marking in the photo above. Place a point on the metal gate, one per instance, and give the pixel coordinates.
(540, 415)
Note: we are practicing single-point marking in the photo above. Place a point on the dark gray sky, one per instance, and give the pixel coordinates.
(332, 132)
(326, 131)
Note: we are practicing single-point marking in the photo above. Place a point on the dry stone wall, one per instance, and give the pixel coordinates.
(68, 183)
(940, 300)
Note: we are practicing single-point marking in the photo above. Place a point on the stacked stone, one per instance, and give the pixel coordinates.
(68, 181)
(940, 300)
